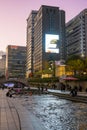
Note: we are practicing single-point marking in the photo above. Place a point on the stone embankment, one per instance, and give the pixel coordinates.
(81, 96)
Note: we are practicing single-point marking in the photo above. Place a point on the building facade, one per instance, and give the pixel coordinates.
(2, 65)
(15, 61)
(30, 43)
(76, 35)
(49, 30)
(49, 37)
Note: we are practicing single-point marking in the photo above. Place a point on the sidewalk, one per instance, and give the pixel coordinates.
(13, 116)
(67, 92)
(81, 96)
(8, 116)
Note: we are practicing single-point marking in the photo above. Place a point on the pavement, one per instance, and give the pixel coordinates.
(67, 92)
(8, 118)
(81, 96)
(13, 116)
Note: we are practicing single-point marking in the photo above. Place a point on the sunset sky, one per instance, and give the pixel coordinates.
(13, 15)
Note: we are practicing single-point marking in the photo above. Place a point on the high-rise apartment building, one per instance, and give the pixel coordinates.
(76, 35)
(30, 43)
(15, 61)
(49, 37)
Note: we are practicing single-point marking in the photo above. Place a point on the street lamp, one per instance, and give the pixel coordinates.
(52, 67)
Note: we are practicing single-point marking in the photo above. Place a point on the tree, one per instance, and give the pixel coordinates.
(48, 67)
(75, 64)
(85, 65)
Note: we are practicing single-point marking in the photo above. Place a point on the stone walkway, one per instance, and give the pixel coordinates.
(8, 116)
(81, 96)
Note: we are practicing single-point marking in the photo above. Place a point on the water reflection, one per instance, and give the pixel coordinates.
(56, 113)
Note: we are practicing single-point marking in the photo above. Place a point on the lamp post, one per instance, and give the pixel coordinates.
(52, 67)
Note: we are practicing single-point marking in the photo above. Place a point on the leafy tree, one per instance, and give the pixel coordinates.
(85, 65)
(75, 64)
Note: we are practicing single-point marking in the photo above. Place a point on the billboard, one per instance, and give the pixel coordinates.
(51, 43)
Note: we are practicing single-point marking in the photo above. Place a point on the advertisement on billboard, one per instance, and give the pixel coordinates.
(51, 43)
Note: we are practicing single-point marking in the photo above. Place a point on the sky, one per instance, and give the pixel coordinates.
(13, 15)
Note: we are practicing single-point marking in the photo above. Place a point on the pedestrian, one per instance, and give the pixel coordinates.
(86, 89)
(73, 92)
(42, 88)
(46, 88)
(80, 88)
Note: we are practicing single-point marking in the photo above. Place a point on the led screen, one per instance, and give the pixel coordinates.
(51, 43)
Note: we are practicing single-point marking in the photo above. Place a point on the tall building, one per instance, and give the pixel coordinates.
(49, 36)
(2, 65)
(2, 53)
(76, 35)
(30, 43)
(15, 61)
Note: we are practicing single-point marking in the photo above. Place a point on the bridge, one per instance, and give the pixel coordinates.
(16, 82)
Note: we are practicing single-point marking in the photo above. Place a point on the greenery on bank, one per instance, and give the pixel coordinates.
(78, 65)
(75, 64)
(43, 80)
(81, 77)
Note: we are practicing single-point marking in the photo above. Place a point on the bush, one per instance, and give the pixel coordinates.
(82, 77)
(43, 80)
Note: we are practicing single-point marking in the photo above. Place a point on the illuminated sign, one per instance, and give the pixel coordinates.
(14, 47)
(51, 43)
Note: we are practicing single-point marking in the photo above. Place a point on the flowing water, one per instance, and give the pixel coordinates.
(56, 113)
